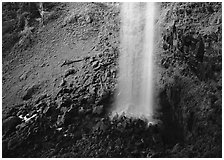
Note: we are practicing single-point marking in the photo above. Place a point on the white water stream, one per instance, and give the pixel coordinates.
(135, 83)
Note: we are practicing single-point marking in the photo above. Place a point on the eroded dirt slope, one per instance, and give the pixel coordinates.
(40, 64)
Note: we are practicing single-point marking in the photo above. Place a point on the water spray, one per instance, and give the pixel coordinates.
(135, 79)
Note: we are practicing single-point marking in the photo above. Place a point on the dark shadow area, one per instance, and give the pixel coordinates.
(173, 131)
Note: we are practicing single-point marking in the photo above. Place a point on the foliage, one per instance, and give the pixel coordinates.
(193, 86)
(14, 16)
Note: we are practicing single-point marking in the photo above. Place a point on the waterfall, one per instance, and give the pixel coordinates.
(135, 78)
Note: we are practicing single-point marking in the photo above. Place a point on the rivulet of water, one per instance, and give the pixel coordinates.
(135, 81)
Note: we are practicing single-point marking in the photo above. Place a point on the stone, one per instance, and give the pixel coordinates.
(88, 19)
(91, 59)
(69, 72)
(10, 124)
(30, 91)
(95, 64)
(62, 83)
(23, 76)
(96, 68)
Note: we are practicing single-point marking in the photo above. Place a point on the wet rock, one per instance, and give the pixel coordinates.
(98, 109)
(30, 92)
(10, 124)
(104, 97)
(100, 126)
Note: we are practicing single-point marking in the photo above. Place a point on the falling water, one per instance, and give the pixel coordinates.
(135, 91)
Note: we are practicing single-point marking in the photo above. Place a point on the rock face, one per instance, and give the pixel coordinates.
(187, 91)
